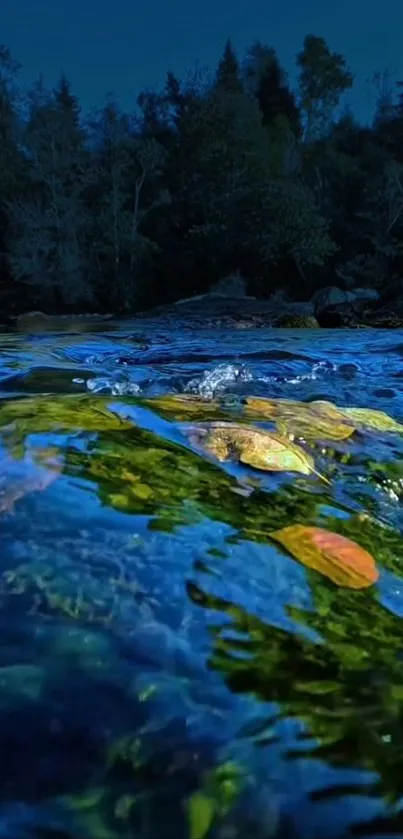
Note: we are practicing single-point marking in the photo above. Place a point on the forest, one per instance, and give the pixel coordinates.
(227, 170)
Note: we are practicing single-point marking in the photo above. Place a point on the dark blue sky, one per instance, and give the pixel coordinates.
(124, 45)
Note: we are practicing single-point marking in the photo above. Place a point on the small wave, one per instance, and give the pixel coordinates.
(318, 370)
(114, 386)
(229, 377)
(219, 380)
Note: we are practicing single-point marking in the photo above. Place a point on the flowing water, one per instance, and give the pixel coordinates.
(168, 670)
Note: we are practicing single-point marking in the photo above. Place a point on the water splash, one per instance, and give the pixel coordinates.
(116, 386)
(219, 380)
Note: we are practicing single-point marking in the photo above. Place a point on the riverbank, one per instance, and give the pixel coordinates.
(212, 311)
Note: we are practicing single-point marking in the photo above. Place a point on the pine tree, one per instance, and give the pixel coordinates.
(275, 98)
(228, 76)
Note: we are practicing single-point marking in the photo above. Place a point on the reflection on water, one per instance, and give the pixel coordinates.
(168, 667)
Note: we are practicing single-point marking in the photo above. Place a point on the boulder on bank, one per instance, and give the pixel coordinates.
(295, 320)
(233, 286)
(353, 315)
(331, 296)
(366, 294)
(33, 320)
(229, 289)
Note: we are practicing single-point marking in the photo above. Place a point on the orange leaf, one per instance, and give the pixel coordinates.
(340, 559)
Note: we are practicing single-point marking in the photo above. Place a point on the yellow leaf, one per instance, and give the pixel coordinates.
(252, 446)
(336, 557)
(201, 812)
(310, 420)
(376, 420)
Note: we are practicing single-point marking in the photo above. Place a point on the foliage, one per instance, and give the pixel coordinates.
(323, 78)
(376, 420)
(216, 173)
(338, 558)
(253, 446)
(220, 789)
(319, 419)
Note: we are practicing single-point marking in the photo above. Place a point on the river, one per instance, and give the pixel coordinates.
(168, 669)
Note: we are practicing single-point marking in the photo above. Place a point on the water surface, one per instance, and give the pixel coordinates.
(166, 669)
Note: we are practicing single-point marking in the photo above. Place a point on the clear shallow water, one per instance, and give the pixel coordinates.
(166, 670)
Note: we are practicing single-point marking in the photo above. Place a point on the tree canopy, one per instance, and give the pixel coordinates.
(217, 173)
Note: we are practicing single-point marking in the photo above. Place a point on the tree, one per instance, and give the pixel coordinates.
(48, 220)
(219, 171)
(11, 161)
(384, 98)
(242, 211)
(125, 165)
(323, 78)
(266, 79)
(228, 75)
(220, 159)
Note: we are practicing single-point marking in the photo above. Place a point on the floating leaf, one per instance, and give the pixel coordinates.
(376, 420)
(201, 812)
(335, 556)
(311, 420)
(252, 446)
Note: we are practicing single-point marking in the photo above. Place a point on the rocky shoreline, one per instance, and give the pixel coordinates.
(328, 308)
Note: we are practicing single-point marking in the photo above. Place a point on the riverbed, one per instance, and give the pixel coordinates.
(167, 668)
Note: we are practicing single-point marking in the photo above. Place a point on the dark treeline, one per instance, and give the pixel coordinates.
(221, 172)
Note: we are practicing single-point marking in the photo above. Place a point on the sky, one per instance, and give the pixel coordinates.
(123, 46)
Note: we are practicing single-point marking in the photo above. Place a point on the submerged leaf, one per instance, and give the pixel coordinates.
(376, 420)
(184, 406)
(252, 446)
(338, 558)
(311, 420)
(201, 811)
